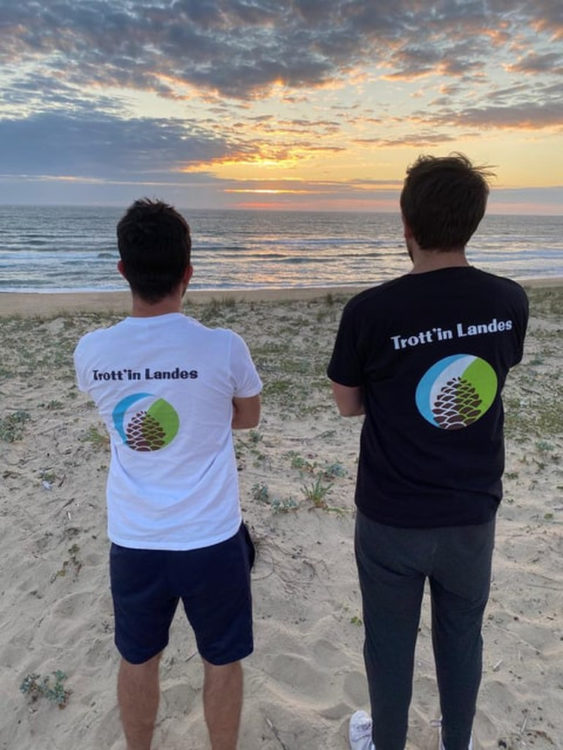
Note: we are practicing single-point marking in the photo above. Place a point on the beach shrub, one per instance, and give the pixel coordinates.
(11, 426)
(50, 687)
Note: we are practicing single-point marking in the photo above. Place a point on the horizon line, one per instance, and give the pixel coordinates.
(234, 209)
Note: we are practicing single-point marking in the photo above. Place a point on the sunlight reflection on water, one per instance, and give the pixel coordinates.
(72, 248)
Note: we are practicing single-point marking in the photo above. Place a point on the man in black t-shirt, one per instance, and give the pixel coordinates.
(424, 357)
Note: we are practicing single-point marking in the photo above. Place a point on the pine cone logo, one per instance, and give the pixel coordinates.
(144, 433)
(456, 391)
(148, 429)
(457, 405)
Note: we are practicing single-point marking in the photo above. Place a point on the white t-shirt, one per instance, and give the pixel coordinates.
(164, 387)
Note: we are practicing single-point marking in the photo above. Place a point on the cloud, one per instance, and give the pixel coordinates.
(105, 146)
(161, 91)
(272, 125)
(445, 59)
(551, 63)
(531, 115)
(240, 48)
(415, 140)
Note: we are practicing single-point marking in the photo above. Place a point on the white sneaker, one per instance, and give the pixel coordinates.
(360, 732)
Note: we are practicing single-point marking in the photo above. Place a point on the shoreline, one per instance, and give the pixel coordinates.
(37, 304)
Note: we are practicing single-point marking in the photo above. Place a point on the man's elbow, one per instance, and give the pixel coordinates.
(246, 413)
(245, 422)
(349, 400)
(345, 410)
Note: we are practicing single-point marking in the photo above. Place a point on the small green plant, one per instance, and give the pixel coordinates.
(543, 446)
(216, 308)
(48, 476)
(285, 505)
(355, 620)
(213, 307)
(317, 491)
(54, 405)
(48, 479)
(279, 387)
(261, 494)
(260, 458)
(327, 434)
(11, 426)
(327, 471)
(50, 687)
(97, 438)
(73, 564)
(330, 471)
(301, 464)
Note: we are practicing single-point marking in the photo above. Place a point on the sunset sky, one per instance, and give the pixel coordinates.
(282, 104)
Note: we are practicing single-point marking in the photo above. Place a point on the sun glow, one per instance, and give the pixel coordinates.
(268, 191)
(222, 105)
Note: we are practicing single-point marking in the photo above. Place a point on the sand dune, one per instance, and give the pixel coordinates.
(297, 475)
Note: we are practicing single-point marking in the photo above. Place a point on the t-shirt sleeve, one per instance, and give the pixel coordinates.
(246, 380)
(345, 366)
(79, 368)
(521, 324)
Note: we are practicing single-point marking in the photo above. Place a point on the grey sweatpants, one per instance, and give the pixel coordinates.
(393, 564)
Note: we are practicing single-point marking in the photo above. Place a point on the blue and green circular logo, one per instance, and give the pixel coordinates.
(145, 422)
(456, 391)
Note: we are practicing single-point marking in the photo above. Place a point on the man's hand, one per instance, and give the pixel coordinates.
(246, 412)
(349, 401)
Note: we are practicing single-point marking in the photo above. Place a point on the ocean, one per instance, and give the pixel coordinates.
(69, 249)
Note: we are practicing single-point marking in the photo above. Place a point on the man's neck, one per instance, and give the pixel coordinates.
(140, 308)
(434, 260)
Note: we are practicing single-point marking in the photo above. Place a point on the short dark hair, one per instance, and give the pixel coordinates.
(443, 200)
(154, 245)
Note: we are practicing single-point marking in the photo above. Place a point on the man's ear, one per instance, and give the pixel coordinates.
(407, 232)
(121, 269)
(188, 273)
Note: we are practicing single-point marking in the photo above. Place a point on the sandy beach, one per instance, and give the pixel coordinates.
(297, 472)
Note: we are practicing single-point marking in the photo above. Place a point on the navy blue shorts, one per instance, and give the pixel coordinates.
(213, 584)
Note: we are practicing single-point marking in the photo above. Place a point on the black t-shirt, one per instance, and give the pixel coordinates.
(431, 353)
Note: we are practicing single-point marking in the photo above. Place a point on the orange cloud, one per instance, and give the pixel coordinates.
(498, 37)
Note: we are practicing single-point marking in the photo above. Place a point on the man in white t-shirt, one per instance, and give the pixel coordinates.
(170, 392)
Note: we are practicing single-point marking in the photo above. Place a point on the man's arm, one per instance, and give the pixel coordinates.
(246, 412)
(349, 400)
